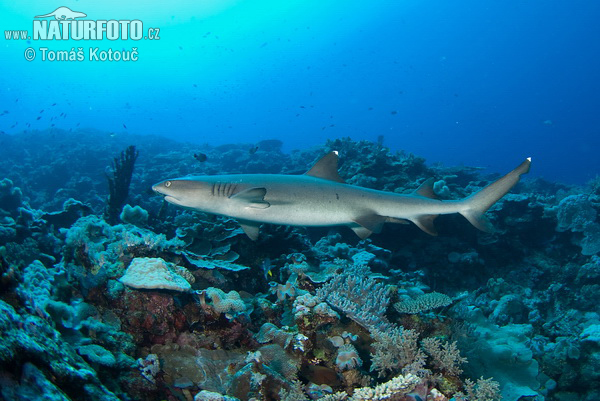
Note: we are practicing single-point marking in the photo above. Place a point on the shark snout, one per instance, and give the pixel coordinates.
(165, 188)
(156, 188)
(162, 187)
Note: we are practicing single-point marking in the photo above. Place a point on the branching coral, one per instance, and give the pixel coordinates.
(396, 349)
(389, 390)
(362, 299)
(445, 355)
(483, 390)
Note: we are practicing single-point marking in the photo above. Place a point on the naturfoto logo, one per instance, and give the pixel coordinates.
(65, 24)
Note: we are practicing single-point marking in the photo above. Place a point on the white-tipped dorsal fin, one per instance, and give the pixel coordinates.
(326, 168)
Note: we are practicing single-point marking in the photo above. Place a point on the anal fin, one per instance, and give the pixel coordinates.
(425, 223)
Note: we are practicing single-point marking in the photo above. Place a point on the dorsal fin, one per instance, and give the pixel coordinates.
(326, 168)
(426, 189)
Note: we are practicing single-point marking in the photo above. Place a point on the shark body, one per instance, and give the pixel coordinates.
(321, 198)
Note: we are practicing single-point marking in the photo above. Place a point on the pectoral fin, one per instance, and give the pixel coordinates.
(251, 228)
(252, 197)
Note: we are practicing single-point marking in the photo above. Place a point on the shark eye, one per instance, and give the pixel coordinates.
(167, 184)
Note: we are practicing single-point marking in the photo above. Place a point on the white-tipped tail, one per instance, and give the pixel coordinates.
(478, 203)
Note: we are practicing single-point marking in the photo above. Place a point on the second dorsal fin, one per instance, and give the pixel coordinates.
(326, 168)
(426, 189)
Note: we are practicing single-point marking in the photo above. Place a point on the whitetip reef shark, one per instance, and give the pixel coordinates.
(320, 197)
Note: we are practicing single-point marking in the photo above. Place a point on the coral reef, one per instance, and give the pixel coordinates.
(151, 302)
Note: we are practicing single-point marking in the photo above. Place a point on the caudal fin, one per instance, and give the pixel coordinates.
(477, 204)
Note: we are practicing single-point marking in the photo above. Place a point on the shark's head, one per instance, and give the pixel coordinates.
(184, 192)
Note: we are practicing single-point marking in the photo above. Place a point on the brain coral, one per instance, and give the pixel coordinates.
(155, 273)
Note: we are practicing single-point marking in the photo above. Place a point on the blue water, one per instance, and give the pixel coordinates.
(477, 82)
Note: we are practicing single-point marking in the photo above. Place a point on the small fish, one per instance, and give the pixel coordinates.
(78, 124)
(38, 117)
(53, 104)
(253, 150)
(124, 126)
(201, 157)
(41, 111)
(267, 267)
(393, 112)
